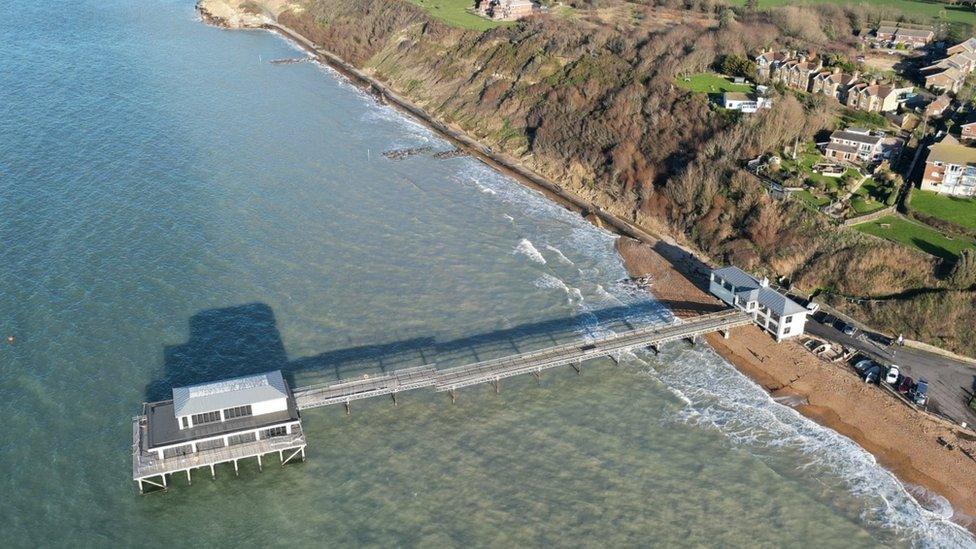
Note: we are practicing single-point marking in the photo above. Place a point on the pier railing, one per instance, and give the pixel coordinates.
(492, 370)
(146, 464)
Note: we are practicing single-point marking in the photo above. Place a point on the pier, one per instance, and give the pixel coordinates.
(251, 417)
(532, 362)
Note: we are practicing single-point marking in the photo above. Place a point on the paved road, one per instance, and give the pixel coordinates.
(950, 381)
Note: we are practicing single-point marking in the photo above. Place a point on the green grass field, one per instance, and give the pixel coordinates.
(454, 12)
(869, 198)
(711, 83)
(916, 235)
(811, 200)
(953, 14)
(961, 211)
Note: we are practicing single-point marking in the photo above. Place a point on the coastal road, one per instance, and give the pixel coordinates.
(950, 381)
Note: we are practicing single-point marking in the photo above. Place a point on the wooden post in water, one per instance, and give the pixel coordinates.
(236, 472)
(188, 479)
(213, 474)
(578, 366)
(394, 398)
(260, 468)
(453, 396)
(348, 411)
(496, 383)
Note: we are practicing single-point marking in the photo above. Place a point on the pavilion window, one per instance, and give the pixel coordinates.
(238, 411)
(209, 417)
(276, 431)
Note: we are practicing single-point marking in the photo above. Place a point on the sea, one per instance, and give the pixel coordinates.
(175, 208)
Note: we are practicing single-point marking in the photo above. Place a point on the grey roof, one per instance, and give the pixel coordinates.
(750, 289)
(841, 147)
(856, 137)
(779, 303)
(737, 277)
(228, 393)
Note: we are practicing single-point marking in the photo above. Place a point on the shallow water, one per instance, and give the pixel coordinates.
(174, 208)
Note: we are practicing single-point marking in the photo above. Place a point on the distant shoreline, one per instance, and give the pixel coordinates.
(681, 261)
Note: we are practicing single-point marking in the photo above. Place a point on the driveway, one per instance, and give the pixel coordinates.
(950, 381)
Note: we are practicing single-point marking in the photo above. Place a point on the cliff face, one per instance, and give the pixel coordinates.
(591, 103)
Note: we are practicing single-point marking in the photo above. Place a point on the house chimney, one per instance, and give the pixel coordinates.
(836, 70)
(764, 282)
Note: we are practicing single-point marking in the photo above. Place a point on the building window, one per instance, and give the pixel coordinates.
(178, 451)
(276, 431)
(209, 417)
(239, 411)
(210, 444)
(787, 319)
(186, 422)
(241, 439)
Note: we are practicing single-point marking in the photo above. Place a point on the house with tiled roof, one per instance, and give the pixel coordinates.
(968, 46)
(767, 59)
(873, 97)
(950, 168)
(796, 73)
(833, 83)
(938, 106)
(854, 145)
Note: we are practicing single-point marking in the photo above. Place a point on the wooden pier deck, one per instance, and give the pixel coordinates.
(491, 371)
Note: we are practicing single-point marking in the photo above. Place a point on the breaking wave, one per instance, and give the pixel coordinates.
(526, 248)
(717, 396)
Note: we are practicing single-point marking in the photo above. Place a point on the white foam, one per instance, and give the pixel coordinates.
(717, 396)
(559, 254)
(526, 248)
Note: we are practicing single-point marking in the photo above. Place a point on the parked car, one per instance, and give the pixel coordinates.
(872, 374)
(849, 330)
(921, 393)
(906, 385)
(891, 378)
(862, 365)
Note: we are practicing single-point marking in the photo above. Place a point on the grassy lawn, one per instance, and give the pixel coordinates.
(916, 235)
(953, 14)
(810, 199)
(863, 205)
(961, 211)
(454, 12)
(870, 197)
(711, 83)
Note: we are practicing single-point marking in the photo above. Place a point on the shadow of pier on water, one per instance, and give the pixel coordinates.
(244, 340)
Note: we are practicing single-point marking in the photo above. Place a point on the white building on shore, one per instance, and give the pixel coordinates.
(772, 311)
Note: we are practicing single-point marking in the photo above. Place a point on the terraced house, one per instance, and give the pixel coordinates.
(833, 83)
(873, 97)
(949, 74)
(797, 73)
(950, 168)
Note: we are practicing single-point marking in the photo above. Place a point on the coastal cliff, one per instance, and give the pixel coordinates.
(590, 104)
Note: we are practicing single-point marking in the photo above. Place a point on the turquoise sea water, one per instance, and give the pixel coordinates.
(174, 208)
